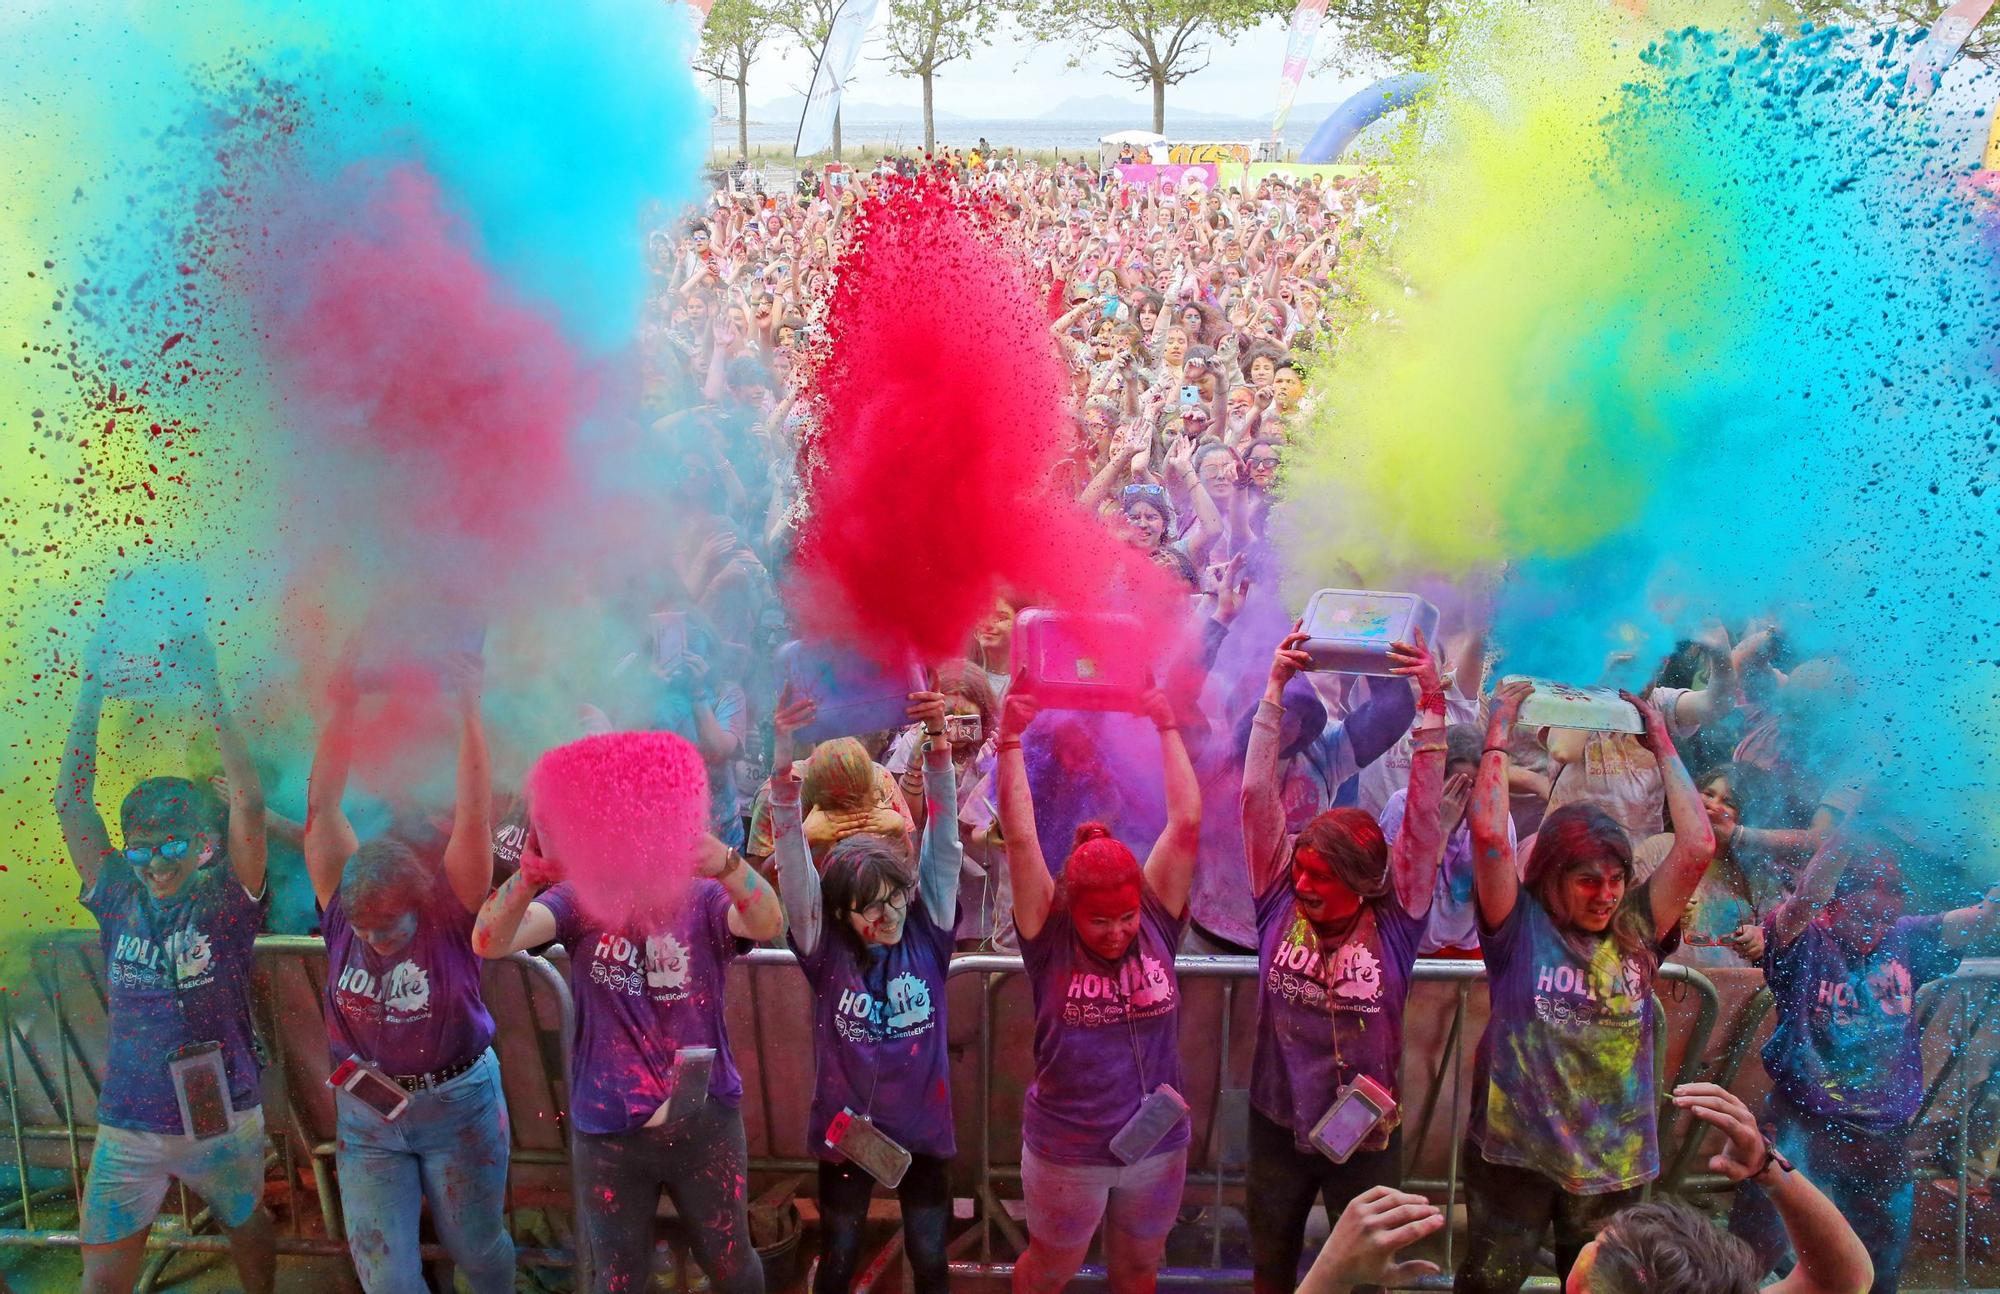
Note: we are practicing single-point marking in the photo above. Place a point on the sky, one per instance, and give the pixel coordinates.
(1018, 77)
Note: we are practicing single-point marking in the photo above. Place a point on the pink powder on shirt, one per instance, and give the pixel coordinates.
(623, 813)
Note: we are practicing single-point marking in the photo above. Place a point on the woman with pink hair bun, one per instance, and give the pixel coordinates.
(1105, 1129)
(652, 908)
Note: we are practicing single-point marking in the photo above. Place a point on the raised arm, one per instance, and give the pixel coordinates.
(1263, 794)
(468, 855)
(1170, 865)
(1419, 847)
(1034, 889)
(1831, 1258)
(798, 879)
(330, 839)
(1673, 884)
(1495, 881)
(248, 844)
(84, 834)
(510, 920)
(1815, 891)
(942, 855)
(1976, 924)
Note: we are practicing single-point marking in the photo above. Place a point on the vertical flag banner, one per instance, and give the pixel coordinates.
(1298, 48)
(836, 63)
(1946, 37)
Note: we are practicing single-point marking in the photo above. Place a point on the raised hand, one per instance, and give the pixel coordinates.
(1290, 658)
(1414, 660)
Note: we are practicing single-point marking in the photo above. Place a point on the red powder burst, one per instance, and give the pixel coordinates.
(623, 813)
(941, 416)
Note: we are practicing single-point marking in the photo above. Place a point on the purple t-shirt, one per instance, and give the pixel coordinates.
(1106, 1035)
(1563, 1081)
(640, 995)
(1846, 1045)
(417, 1010)
(1308, 1009)
(199, 940)
(879, 1035)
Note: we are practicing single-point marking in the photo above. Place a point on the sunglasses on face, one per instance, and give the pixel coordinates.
(173, 849)
(1262, 463)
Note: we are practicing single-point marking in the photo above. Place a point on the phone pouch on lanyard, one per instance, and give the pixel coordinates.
(1158, 1113)
(867, 1147)
(201, 1086)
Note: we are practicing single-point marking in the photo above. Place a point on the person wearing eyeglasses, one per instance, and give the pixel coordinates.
(181, 1082)
(875, 944)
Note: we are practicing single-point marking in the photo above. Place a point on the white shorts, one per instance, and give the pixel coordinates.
(130, 1172)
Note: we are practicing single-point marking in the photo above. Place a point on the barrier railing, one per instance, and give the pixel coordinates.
(54, 1052)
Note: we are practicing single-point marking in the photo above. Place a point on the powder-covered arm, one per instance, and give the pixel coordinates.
(1495, 881)
(942, 859)
(1027, 871)
(83, 827)
(330, 837)
(468, 854)
(1419, 847)
(1673, 884)
(1170, 865)
(798, 880)
(1263, 804)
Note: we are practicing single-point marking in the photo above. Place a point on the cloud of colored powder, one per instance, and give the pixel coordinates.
(1678, 320)
(323, 301)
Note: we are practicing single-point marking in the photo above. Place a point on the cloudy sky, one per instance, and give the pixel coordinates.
(1017, 77)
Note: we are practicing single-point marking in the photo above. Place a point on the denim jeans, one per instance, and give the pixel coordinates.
(449, 1146)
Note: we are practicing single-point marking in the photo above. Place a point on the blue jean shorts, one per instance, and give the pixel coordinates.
(130, 1172)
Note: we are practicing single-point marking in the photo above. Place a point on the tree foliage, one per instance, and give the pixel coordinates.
(1156, 43)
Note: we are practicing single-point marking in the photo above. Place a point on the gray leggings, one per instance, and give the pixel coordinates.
(701, 1162)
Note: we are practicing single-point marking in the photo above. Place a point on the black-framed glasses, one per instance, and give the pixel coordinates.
(1261, 462)
(173, 849)
(893, 901)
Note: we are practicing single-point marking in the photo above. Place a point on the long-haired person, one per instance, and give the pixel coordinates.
(874, 938)
(1339, 920)
(1564, 1129)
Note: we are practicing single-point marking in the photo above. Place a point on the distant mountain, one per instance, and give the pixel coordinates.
(790, 106)
(1099, 107)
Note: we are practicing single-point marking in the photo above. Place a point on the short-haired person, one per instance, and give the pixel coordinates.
(1099, 950)
(1845, 962)
(875, 943)
(645, 988)
(1564, 1128)
(1658, 1248)
(181, 1096)
(402, 995)
(1339, 921)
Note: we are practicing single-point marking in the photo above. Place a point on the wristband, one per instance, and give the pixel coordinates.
(1429, 748)
(1493, 750)
(1433, 702)
(1773, 1158)
(1009, 744)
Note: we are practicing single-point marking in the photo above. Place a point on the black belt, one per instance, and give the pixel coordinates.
(436, 1078)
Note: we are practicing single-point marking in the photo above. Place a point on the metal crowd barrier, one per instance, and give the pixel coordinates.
(54, 1058)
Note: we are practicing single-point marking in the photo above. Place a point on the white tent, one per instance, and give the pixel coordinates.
(1137, 138)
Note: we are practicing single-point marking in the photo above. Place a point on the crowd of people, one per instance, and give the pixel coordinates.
(1336, 827)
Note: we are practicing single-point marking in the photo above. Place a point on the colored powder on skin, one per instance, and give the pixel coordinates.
(510, 164)
(624, 813)
(1685, 322)
(940, 416)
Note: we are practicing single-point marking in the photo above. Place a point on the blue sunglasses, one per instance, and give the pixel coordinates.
(173, 850)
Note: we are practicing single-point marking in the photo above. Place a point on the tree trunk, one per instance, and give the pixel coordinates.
(930, 130)
(1159, 104)
(743, 111)
(836, 134)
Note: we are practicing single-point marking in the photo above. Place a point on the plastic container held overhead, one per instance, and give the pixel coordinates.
(154, 619)
(854, 695)
(1562, 705)
(1083, 662)
(1351, 629)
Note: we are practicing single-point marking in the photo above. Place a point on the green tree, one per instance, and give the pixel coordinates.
(924, 35)
(729, 43)
(1400, 35)
(808, 22)
(1156, 43)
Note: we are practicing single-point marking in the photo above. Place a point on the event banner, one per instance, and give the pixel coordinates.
(1173, 176)
(1298, 48)
(836, 63)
